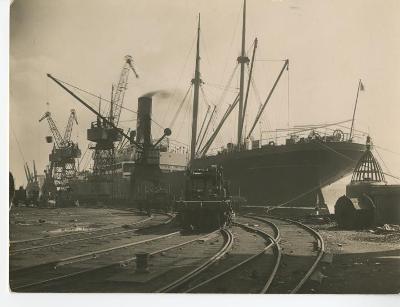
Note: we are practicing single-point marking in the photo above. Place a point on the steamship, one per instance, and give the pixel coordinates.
(136, 171)
(291, 172)
(274, 173)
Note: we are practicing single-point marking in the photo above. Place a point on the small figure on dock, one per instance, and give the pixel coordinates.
(11, 191)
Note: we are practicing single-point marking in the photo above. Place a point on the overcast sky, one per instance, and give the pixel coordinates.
(330, 45)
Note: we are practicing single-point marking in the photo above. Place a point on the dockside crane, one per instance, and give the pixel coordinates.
(29, 176)
(62, 158)
(68, 130)
(101, 132)
(118, 133)
(104, 132)
(32, 186)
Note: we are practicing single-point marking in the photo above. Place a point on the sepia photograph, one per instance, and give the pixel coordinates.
(204, 147)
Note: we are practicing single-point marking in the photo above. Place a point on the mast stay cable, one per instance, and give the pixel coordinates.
(180, 107)
(285, 66)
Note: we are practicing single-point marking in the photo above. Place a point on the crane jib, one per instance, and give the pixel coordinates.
(94, 111)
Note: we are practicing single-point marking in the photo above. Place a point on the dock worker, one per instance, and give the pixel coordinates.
(12, 191)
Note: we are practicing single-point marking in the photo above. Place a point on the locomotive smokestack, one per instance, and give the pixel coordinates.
(143, 125)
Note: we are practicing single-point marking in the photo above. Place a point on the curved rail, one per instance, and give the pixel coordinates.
(321, 252)
(83, 257)
(88, 237)
(273, 225)
(274, 243)
(77, 233)
(187, 277)
(321, 246)
(110, 265)
(14, 252)
(90, 255)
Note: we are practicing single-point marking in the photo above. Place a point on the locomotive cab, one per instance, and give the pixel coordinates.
(206, 205)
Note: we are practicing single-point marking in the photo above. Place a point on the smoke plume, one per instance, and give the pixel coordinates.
(159, 93)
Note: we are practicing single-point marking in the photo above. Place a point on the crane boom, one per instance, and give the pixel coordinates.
(68, 130)
(202, 125)
(230, 108)
(54, 130)
(120, 131)
(34, 171)
(26, 174)
(119, 92)
(199, 143)
(30, 178)
(285, 66)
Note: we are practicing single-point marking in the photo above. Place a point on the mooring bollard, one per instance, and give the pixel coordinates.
(142, 262)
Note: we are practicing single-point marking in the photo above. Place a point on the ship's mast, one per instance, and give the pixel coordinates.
(242, 60)
(196, 82)
(360, 87)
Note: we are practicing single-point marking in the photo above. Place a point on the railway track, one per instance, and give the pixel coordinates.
(258, 255)
(72, 272)
(36, 259)
(49, 253)
(48, 241)
(178, 283)
(302, 248)
(262, 271)
(75, 266)
(253, 274)
(215, 271)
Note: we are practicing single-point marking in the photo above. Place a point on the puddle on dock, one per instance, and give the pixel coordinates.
(71, 229)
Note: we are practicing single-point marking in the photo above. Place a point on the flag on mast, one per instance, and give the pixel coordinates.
(362, 87)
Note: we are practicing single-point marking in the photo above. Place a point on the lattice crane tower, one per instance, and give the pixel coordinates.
(102, 133)
(64, 153)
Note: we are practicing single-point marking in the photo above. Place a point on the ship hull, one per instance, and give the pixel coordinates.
(270, 176)
(287, 174)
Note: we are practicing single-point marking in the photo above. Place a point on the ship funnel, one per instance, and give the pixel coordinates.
(143, 125)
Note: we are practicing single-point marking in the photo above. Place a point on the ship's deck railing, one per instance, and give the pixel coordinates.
(337, 132)
(128, 152)
(178, 147)
(285, 137)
